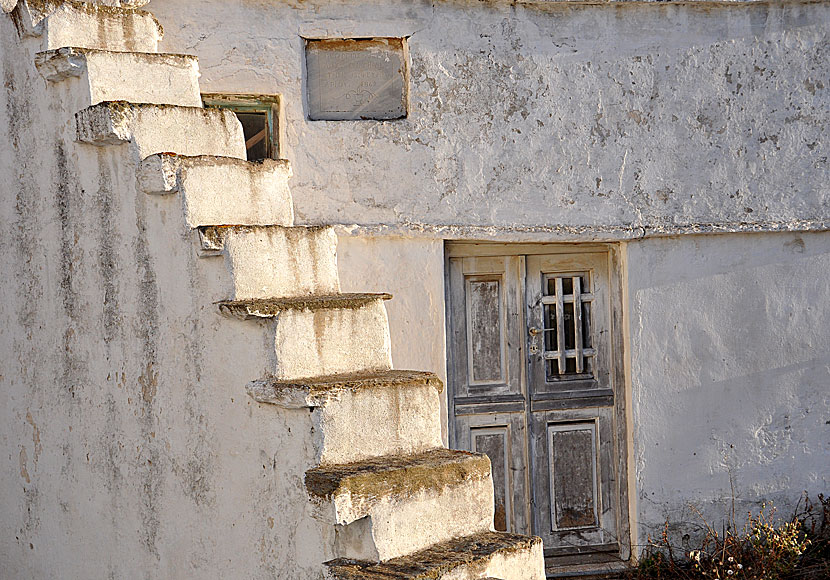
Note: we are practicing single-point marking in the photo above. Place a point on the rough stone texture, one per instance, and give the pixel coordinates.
(153, 129)
(358, 416)
(469, 558)
(222, 190)
(278, 261)
(341, 334)
(393, 264)
(269, 308)
(550, 121)
(412, 501)
(125, 76)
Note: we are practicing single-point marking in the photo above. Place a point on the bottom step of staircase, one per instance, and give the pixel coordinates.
(485, 555)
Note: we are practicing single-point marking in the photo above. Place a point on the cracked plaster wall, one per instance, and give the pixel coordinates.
(574, 121)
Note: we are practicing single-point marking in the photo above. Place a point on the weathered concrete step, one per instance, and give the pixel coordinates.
(488, 554)
(359, 416)
(153, 129)
(280, 261)
(322, 335)
(391, 506)
(139, 77)
(72, 23)
(222, 190)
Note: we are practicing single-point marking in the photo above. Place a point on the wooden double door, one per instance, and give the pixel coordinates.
(535, 382)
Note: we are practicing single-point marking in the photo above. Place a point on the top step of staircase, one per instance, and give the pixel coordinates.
(85, 25)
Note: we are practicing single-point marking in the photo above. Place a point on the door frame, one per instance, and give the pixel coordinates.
(615, 253)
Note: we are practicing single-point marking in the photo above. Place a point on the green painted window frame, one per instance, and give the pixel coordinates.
(271, 105)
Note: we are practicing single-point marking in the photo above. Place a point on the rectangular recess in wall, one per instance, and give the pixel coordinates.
(351, 79)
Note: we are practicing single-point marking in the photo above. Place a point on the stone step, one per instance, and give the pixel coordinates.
(391, 506)
(359, 416)
(220, 191)
(322, 335)
(139, 77)
(280, 261)
(84, 25)
(487, 554)
(152, 129)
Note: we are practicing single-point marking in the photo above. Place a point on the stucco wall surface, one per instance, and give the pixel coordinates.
(129, 446)
(730, 370)
(577, 121)
(412, 270)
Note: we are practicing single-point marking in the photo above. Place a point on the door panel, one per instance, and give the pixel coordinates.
(573, 480)
(503, 438)
(486, 330)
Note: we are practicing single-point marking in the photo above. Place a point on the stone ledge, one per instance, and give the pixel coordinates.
(161, 173)
(271, 307)
(61, 63)
(153, 129)
(212, 238)
(365, 482)
(316, 391)
(437, 561)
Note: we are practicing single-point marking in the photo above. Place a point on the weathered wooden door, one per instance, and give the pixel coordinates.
(533, 381)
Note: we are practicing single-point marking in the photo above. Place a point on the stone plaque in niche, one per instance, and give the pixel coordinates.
(356, 79)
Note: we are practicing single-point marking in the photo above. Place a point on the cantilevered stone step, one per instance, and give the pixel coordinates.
(391, 506)
(322, 335)
(153, 129)
(487, 554)
(222, 190)
(87, 25)
(359, 416)
(281, 261)
(139, 77)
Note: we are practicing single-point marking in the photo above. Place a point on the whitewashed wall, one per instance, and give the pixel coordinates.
(730, 353)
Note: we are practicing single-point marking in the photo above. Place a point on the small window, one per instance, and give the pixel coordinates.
(260, 118)
(569, 351)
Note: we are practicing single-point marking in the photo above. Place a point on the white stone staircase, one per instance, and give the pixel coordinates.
(401, 506)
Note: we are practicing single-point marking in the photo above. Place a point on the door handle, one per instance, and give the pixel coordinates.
(534, 331)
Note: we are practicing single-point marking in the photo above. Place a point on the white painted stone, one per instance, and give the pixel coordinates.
(550, 121)
(222, 190)
(84, 25)
(153, 129)
(400, 526)
(353, 424)
(412, 270)
(377, 520)
(274, 261)
(163, 79)
(333, 341)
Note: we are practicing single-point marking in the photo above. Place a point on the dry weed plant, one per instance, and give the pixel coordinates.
(765, 548)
